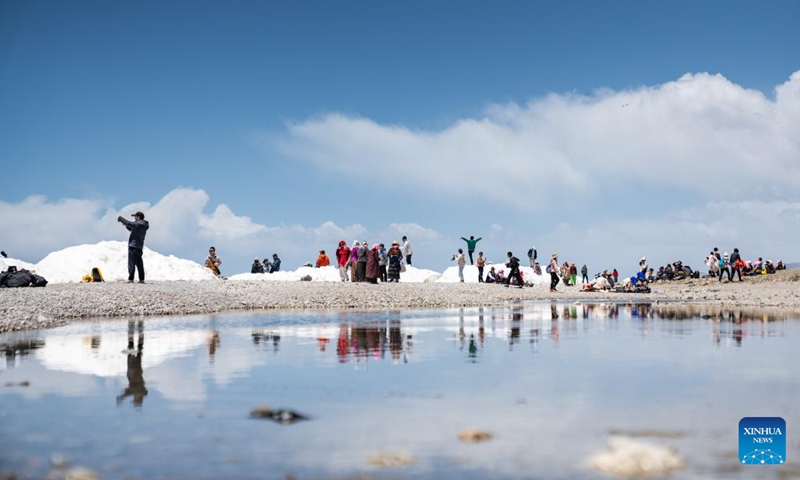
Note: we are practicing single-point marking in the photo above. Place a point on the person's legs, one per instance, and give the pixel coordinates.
(480, 274)
(384, 275)
(131, 263)
(343, 273)
(139, 263)
(461, 272)
(408, 259)
(585, 278)
(553, 281)
(470, 257)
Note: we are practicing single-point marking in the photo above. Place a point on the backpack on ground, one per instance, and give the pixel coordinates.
(95, 276)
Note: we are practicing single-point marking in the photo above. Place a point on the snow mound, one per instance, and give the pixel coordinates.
(72, 263)
(329, 274)
(471, 274)
(9, 262)
(628, 458)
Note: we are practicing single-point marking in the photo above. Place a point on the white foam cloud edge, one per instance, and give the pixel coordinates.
(180, 228)
(700, 133)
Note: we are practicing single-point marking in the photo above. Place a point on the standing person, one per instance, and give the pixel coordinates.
(275, 266)
(373, 270)
(736, 264)
(532, 255)
(383, 261)
(342, 258)
(615, 274)
(481, 263)
(584, 274)
(138, 228)
(573, 273)
(553, 268)
(395, 257)
(471, 246)
(513, 265)
(213, 261)
(361, 264)
(724, 268)
(643, 265)
(354, 261)
(459, 258)
(407, 251)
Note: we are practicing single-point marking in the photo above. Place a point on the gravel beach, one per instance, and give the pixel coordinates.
(59, 304)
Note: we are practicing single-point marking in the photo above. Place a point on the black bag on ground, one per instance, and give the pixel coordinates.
(21, 278)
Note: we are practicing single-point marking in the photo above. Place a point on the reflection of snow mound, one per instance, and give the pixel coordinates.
(72, 263)
(762, 457)
(102, 355)
(634, 458)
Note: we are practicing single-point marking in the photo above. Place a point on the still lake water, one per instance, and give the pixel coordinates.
(171, 397)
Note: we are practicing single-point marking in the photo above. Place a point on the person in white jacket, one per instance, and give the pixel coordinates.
(407, 251)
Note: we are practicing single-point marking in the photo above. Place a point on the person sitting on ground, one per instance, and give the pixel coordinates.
(275, 266)
(601, 282)
(500, 277)
(769, 266)
(491, 277)
(780, 265)
(650, 277)
(213, 261)
(257, 267)
(323, 260)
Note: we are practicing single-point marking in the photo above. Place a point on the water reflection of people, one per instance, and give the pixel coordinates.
(213, 345)
(136, 388)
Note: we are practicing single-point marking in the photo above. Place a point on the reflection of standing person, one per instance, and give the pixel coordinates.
(138, 228)
(407, 251)
(471, 246)
(213, 261)
(136, 388)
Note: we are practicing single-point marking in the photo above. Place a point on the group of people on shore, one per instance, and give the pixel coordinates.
(362, 263)
(266, 266)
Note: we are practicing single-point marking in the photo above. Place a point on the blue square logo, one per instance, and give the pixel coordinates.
(762, 441)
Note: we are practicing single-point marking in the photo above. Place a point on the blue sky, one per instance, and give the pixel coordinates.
(266, 127)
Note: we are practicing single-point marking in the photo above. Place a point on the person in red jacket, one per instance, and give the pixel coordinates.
(342, 257)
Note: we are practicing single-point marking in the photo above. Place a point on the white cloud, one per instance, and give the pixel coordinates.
(701, 132)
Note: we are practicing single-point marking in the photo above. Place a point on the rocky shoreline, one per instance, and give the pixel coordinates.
(59, 304)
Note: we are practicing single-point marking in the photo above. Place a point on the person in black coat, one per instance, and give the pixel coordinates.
(138, 228)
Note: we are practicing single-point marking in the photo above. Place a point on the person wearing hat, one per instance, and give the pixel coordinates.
(643, 264)
(257, 267)
(395, 257)
(553, 272)
(138, 228)
(724, 268)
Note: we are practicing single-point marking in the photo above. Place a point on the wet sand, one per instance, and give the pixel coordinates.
(59, 304)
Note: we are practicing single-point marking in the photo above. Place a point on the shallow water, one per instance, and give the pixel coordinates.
(388, 393)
